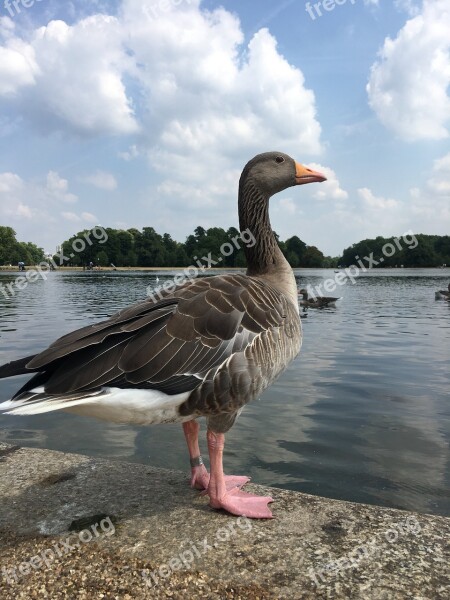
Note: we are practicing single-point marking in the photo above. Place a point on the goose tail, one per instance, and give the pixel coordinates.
(37, 402)
(16, 367)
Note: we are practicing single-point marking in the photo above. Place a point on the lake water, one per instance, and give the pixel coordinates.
(362, 414)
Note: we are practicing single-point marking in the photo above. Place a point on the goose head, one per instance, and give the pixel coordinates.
(263, 176)
(272, 172)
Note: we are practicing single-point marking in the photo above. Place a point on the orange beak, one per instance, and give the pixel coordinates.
(304, 175)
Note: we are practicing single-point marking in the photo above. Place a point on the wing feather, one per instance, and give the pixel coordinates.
(86, 367)
(144, 347)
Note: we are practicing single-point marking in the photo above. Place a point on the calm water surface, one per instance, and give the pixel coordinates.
(362, 414)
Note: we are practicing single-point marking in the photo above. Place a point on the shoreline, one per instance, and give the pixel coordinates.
(64, 269)
(111, 269)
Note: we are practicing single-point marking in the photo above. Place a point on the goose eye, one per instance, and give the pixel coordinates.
(279, 159)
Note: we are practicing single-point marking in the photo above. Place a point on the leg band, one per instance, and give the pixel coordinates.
(196, 462)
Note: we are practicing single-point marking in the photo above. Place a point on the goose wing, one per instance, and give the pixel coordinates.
(178, 344)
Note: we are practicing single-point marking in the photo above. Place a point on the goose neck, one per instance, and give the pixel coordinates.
(264, 258)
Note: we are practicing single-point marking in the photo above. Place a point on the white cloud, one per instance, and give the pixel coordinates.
(89, 217)
(439, 182)
(425, 210)
(408, 85)
(6, 27)
(30, 207)
(13, 209)
(33, 208)
(102, 180)
(74, 218)
(100, 74)
(18, 68)
(409, 6)
(442, 164)
(24, 211)
(377, 203)
(13, 199)
(288, 206)
(368, 214)
(130, 154)
(70, 216)
(329, 189)
(213, 125)
(10, 182)
(217, 109)
(57, 189)
(430, 206)
(74, 74)
(195, 115)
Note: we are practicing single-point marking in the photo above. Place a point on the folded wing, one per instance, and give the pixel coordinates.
(211, 335)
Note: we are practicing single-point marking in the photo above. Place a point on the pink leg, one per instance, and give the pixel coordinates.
(199, 474)
(235, 501)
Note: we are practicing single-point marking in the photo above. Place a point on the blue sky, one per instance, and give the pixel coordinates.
(140, 113)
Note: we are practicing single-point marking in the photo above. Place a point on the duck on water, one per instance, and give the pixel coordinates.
(443, 294)
(317, 301)
(203, 350)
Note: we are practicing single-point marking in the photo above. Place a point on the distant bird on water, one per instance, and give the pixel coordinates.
(204, 350)
(443, 294)
(317, 301)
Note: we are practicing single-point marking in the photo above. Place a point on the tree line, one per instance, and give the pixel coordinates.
(410, 251)
(147, 248)
(12, 251)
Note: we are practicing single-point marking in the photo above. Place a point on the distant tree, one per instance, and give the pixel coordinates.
(148, 248)
(182, 259)
(431, 251)
(200, 232)
(240, 260)
(295, 247)
(102, 259)
(8, 245)
(312, 258)
(293, 259)
(197, 245)
(424, 255)
(12, 251)
(331, 262)
(130, 260)
(33, 255)
(442, 247)
(237, 259)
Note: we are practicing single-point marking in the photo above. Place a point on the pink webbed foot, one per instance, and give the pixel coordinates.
(200, 480)
(231, 482)
(235, 481)
(234, 500)
(240, 503)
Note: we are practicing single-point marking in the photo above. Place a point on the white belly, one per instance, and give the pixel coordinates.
(136, 407)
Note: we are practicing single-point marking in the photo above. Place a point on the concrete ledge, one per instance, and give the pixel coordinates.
(76, 527)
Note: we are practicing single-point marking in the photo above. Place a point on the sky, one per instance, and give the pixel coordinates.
(134, 113)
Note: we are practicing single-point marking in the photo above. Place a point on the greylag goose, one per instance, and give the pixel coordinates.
(443, 294)
(317, 301)
(203, 350)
